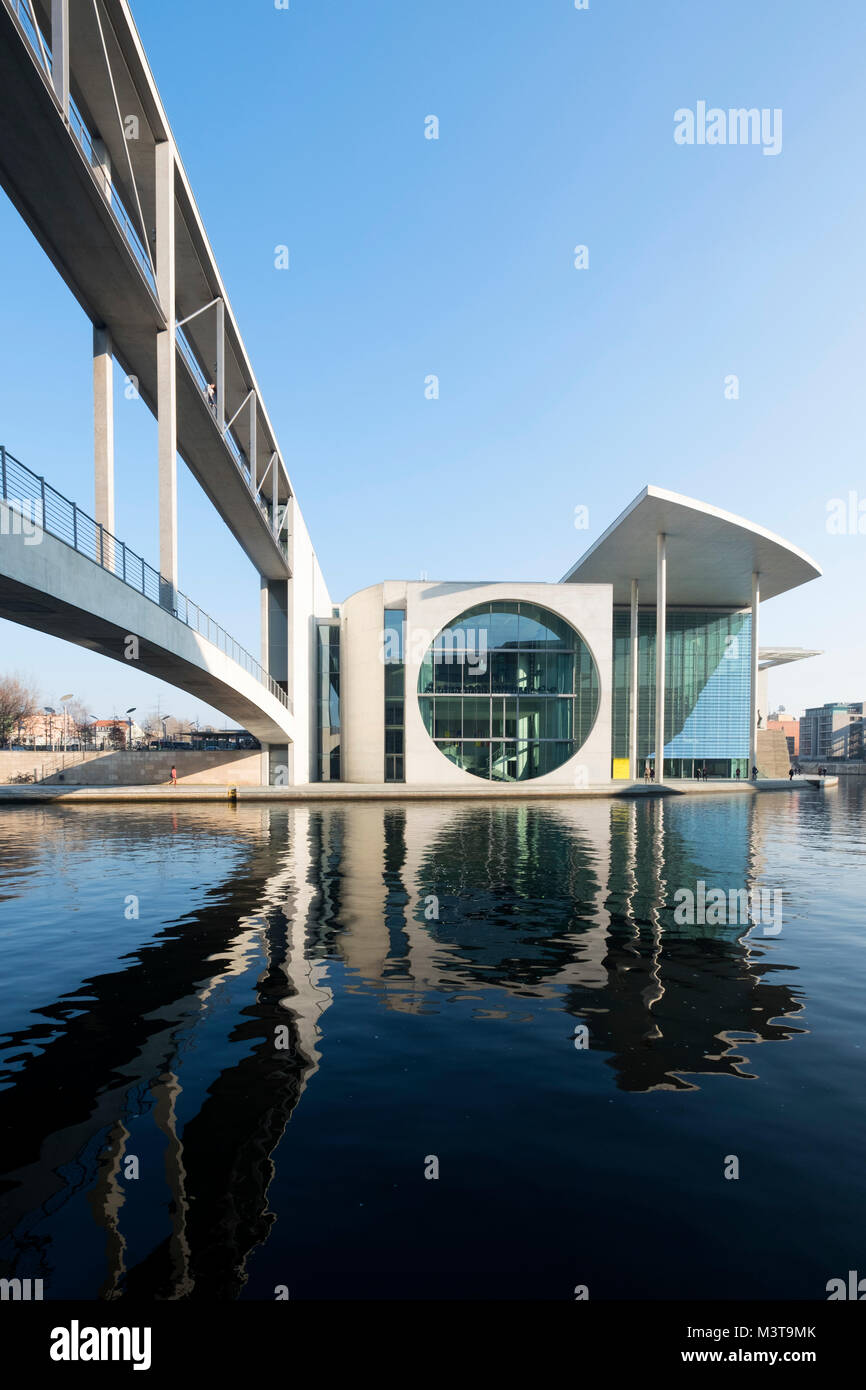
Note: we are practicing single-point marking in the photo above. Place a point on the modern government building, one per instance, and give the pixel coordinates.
(649, 642)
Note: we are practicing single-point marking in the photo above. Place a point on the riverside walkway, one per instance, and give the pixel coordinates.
(343, 791)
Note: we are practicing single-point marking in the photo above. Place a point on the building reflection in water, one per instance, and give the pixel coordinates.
(426, 903)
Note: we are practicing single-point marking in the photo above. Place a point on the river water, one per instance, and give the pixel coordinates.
(432, 1050)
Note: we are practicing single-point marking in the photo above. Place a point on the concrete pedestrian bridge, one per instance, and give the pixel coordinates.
(89, 159)
(63, 573)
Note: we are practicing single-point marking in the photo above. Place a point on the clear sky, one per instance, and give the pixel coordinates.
(455, 257)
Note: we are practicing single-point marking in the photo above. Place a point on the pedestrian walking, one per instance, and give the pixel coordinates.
(790, 774)
(646, 771)
(173, 776)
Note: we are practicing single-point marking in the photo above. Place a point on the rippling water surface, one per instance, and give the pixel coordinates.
(235, 1041)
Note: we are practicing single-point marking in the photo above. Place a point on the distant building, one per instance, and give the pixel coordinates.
(99, 733)
(40, 731)
(790, 727)
(834, 732)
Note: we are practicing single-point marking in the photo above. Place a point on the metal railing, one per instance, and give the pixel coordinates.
(38, 506)
(201, 381)
(196, 370)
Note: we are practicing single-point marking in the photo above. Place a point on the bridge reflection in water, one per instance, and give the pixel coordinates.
(412, 953)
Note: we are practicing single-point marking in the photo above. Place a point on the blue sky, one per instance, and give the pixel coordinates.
(454, 257)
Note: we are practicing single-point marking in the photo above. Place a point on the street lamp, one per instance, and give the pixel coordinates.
(131, 710)
(49, 727)
(164, 720)
(63, 701)
(91, 733)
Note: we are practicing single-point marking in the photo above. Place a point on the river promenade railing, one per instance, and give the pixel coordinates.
(38, 506)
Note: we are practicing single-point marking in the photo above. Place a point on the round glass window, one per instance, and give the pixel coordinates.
(508, 691)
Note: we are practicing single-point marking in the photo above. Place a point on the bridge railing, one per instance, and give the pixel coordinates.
(34, 505)
(197, 373)
(198, 376)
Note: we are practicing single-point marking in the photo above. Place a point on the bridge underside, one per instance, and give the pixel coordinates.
(50, 587)
(49, 180)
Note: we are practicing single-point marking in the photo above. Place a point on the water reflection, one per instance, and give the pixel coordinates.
(171, 1059)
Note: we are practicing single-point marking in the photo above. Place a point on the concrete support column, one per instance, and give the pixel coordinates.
(661, 634)
(633, 684)
(166, 367)
(275, 629)
(265, 612)
(221, 363)
(103, 427)
(754, 677)
(60, 51)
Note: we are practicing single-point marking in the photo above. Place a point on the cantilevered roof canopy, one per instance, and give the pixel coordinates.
(711, 555)
(781, 656)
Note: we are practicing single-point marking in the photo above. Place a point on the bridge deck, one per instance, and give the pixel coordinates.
(48, 585)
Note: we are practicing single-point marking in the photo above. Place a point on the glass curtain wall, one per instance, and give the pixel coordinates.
(707, 674)
(509, 691)
(329, 759)
(395, 694)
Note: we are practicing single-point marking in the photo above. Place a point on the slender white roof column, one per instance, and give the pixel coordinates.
(753, 676)
(60, 51)
(633, 683)
(661, 634)
(103, 428)
(166, 368)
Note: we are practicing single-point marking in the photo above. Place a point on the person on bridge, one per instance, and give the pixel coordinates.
(211, 395)
(173, 776)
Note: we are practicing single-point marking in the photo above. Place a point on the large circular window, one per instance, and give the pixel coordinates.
(508, 691)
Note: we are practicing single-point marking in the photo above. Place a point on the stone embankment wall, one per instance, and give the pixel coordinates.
(846, 769)
(134, 769)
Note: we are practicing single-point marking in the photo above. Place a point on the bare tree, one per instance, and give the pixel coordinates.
(118, 735)
(149, 727)
(18, 699)
(78, 722)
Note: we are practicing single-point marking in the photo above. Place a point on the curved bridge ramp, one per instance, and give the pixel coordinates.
(48, 585)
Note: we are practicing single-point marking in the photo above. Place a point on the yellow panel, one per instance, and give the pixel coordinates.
(620, 769)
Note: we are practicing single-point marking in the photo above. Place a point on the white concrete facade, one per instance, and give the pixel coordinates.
(430, 608)
(309, 601)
